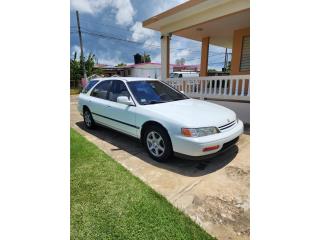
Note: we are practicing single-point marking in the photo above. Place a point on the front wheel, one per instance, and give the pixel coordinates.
(88, 120)
(158, 143)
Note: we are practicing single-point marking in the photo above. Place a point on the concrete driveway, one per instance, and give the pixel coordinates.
(214, 193)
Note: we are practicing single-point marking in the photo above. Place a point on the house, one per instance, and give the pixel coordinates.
(224, 23)
(149, 70)
(183, 67)
(108, 71)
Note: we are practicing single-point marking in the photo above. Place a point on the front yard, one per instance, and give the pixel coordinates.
(108, 202)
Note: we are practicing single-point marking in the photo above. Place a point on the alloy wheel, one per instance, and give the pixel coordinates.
(155, 144)
(87, 118)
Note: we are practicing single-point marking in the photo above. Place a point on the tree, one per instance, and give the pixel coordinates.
(121, 64)
(180, 61)
(146, 58)
(229, 67)
(212, 70)
(76, 71)
(89, 64)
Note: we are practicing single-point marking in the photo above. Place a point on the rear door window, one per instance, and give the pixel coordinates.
(118, 88)
(101, 90)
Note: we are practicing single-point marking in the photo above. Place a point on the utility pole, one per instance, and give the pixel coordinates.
(226, 60)
(81, 48)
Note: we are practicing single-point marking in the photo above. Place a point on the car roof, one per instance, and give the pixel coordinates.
(127, 79)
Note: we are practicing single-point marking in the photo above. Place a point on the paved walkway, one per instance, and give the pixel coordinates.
(215, 193)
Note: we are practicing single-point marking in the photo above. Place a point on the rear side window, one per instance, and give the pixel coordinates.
(89, 85)
(101, 90)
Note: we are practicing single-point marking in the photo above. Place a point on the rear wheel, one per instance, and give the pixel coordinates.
(158, 143)
(88, 120)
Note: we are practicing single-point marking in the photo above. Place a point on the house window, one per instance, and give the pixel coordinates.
(245, 55)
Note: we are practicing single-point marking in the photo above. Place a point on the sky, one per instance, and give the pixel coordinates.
(112, 30)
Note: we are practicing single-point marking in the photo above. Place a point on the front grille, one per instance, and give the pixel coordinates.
(226, 126)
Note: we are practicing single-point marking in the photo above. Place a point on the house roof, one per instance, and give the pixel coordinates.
(172, 11)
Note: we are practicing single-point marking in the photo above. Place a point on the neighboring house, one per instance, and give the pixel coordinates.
(108, 71)
(148, 70)
(224, 23)
(191, 68)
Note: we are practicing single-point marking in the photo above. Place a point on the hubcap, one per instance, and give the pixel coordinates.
(87, 118)
(155, 144)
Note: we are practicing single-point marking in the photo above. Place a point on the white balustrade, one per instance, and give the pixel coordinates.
(214, 87)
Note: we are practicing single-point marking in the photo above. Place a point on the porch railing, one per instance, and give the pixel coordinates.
(231, 87)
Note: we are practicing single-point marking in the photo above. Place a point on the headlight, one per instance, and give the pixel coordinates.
(199, 132)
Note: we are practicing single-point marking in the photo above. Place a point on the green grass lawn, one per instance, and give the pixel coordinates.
(108, 202)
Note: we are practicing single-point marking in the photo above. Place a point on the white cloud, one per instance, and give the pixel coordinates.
(140, 33)
(110, 58)
(76, 48)
(110, 61)
(81, 5)
(125, 12)
(123, 8)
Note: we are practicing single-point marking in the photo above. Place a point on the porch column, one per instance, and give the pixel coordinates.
(165, 56)
(204, 57)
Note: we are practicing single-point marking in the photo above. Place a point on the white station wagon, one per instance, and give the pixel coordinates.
(165, 120)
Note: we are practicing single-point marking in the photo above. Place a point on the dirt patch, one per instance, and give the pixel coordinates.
(236, 173)
(224, 212)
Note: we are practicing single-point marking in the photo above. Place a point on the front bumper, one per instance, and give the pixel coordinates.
(187, 147)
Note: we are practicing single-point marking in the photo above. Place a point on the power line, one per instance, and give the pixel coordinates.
(117, 37)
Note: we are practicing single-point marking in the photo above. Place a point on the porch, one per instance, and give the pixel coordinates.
(224, 23)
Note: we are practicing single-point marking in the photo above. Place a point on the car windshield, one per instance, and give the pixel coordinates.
(89, 85)
(153, 92)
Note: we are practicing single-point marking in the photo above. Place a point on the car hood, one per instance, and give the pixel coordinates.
(194, 113)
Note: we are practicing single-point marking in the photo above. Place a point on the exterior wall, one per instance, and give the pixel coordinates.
(242, 109)
(236, 51)
(150, 70)
(146, 72)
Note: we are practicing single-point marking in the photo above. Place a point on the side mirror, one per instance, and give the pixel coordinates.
(125, 100)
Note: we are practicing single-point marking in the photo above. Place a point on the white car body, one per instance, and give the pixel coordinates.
(173, 116)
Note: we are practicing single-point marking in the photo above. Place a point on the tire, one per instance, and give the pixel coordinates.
(157, 143)
(88, 119)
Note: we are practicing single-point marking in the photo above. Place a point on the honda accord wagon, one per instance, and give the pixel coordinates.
(165, 120)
